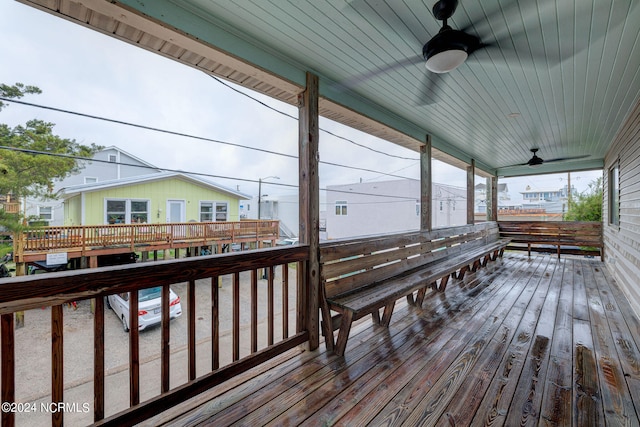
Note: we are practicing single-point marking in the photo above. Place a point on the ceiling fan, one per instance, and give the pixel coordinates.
(443, 53)
(448, 49)
(537, 161)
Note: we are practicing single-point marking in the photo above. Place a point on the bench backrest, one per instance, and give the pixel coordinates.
(575, 233)
(347, 265)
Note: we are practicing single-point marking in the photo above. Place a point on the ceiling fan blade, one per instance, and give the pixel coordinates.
(562, 159)
(559, 159)
(353, 81)
(429, 88)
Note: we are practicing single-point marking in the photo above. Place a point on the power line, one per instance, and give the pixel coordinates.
(88, 159)
(222, 82)
(121, 122)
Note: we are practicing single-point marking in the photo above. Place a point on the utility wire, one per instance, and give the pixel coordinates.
(88, 159)
(189, 136)
(222, 82)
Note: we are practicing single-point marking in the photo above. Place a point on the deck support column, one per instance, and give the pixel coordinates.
(309, 201)
(492, 198)
(471, 173)
(425, 185)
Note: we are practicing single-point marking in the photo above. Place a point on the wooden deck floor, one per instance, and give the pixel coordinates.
(536, 341)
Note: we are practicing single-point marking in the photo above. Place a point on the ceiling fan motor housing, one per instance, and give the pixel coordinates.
(451, 48)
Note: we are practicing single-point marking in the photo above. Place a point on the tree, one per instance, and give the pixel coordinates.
(587, 206)
(25, 171)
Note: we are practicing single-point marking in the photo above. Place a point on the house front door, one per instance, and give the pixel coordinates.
(176, 211)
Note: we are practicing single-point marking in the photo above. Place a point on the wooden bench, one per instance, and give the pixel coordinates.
(568, 237)
(361, 276)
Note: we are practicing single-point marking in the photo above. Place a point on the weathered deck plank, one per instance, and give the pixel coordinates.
(535, 341)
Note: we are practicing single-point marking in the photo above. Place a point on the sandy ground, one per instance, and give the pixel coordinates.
(33, 350)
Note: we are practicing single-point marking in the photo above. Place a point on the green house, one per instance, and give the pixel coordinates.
(167, 197)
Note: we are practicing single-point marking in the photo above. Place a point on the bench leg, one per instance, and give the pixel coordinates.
(485, 260)
(558, 251)
(410, 299)
(343, 334)
(420, 297)
(443, 283)
(388, 311)
(375, 317)
(462, 272)
(327, 327)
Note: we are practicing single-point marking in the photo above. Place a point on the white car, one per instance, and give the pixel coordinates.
(149, 307)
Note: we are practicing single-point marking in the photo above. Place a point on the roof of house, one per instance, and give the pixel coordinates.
(96, 186)
(126, 153)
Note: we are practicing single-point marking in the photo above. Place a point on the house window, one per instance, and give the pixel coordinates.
(614, 195)
(341, 207)
(222, 210)
(45, 213)
(441, 205)
(207, 210)
(113, 158)
(116, 211)
(139, 211)
(90, 180)
(126, 211)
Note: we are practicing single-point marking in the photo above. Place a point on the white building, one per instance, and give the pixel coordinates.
(389, 206)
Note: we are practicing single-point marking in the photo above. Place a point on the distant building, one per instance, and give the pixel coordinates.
(480, 197)
(153, 198)
(389, 206)
(111, 163)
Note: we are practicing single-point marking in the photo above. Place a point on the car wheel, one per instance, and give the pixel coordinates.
(107, 303)
(124, 325)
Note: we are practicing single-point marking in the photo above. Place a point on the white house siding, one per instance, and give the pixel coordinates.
(389, 207)
(622, 243)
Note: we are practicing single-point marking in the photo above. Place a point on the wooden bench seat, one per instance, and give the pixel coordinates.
(569, 237)
(360, 277)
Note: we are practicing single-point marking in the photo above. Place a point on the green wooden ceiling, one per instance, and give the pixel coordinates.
(559, 75)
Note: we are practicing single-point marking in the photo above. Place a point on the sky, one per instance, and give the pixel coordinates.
(83, 71)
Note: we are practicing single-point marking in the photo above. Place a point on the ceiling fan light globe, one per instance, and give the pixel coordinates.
(446, 61)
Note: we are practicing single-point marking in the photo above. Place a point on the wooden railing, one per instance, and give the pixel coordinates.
(10, 207)
(560, 237)
(83, 238)
(243, 272)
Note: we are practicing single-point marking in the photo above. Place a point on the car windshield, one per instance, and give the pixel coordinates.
(149, 294)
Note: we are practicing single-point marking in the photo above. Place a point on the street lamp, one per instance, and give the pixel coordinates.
(260, 192)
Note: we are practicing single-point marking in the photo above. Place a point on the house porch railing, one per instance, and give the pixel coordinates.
(80, 240)
(244, 280)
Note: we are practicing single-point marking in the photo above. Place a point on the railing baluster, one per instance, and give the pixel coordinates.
(7, 393)
(98, 360)
(215, 324)
(57, 363)
(254, 310)
(236, 316)
(285, 300)
(270, 305)
(134, 350)
(165, 350)
(191, 311)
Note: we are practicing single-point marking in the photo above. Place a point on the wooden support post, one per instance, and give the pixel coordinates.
(309, 202)
(492, 207)
(7, 367)
(425, 185)
(471, 173)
